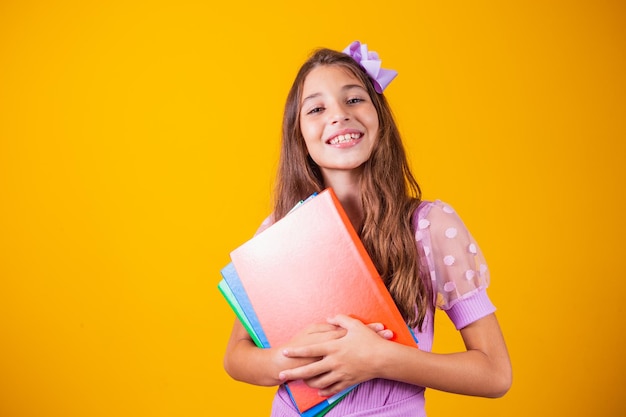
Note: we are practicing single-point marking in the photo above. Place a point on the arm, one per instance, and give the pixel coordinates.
(483, 369)
(246, 362)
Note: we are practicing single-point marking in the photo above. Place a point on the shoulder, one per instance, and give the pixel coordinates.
(426, 206)
(455, 262)
(436, 215)
(440, 228)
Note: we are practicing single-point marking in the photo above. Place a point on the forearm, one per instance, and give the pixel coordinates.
(246, 362)
(484, 369)
(469, 373)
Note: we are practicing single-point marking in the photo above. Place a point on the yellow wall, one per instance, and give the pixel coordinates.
(138, 141)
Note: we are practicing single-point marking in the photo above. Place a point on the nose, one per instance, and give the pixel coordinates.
(340, 115)
(338, 119)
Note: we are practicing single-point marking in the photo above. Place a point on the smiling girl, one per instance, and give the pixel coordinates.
(339, 132)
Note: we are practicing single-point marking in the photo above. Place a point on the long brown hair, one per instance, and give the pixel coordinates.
(389, 192)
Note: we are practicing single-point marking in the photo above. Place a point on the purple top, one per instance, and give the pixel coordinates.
(459, 276)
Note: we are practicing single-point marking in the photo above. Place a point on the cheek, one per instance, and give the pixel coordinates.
(375, 129)
(304, 130)
(371, 120)
(312, 149)
(374, 121)
(310, 134)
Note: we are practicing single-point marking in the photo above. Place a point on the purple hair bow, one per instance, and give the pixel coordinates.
(371, 64)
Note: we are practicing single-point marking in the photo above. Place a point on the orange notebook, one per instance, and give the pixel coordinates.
(307, 267)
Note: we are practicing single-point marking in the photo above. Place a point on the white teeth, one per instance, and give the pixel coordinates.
(344, 138)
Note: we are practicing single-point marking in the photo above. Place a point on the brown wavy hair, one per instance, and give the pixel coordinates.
(389, 192)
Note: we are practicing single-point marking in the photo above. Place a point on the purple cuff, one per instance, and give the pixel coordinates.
(470, 309)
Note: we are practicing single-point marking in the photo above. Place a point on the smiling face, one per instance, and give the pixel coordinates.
(338, 120)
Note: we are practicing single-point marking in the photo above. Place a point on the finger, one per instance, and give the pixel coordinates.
(309, 351)
(323, 381)
(333, 389)
(313, 335)
(303, 372)
(380, 329)
(386, 334)
(377, 327)
(344, 321)
(310, 339)
(320, 328)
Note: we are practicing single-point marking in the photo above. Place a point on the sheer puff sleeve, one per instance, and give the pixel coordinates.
(454, 262)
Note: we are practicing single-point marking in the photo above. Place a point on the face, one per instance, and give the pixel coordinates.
(338, 120)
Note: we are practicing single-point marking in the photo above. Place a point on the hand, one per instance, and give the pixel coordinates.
(311, 335)
(380, 329)
(342, 362)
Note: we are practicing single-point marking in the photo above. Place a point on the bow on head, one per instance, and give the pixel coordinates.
(371, 64)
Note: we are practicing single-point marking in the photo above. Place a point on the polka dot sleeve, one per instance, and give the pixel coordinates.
(455, 263)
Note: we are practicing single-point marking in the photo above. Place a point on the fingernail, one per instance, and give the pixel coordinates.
(282, 376)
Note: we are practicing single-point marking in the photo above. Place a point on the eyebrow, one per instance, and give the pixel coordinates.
(344, 88)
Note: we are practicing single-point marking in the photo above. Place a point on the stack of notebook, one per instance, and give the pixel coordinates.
(303, 269)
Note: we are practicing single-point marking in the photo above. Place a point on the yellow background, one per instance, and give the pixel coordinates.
(138, 142)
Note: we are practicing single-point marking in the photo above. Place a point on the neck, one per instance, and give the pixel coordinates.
(346, 186)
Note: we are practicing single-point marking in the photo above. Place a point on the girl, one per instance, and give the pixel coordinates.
(339, 132)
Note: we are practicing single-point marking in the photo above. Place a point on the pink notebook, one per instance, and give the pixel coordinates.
(307, 267)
